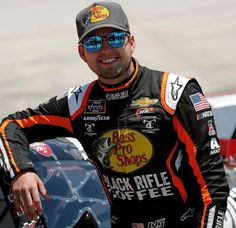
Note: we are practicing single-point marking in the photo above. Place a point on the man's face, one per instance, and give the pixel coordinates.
(111, 64)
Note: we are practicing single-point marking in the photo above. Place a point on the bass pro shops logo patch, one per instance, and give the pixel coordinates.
(124, 150)
(98, 13)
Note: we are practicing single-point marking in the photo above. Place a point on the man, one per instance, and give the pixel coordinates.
(150, 134)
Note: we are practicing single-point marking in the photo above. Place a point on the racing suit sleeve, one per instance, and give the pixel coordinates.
(202, 165)
(17, 131)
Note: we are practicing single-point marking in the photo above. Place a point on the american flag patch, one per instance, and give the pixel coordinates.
(199, 102)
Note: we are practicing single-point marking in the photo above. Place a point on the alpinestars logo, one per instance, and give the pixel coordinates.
(175, 87)
(77, 92)
(187, 214)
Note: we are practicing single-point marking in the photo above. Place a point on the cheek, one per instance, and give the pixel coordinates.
(92, 65)
(89, 58)
(127, 55)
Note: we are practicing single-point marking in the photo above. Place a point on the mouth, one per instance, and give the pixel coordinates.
(108, 60)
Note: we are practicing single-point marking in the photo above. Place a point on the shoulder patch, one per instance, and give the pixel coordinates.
(172, 88)
(78, 97)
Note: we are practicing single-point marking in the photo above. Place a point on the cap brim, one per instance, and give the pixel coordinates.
(102, 26)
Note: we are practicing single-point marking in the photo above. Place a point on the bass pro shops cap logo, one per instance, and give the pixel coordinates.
(124, 150)
(96, 14)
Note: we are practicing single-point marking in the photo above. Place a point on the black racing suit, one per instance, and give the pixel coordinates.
(152, 139)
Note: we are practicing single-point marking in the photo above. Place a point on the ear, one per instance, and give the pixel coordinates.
(132, 43)
(81, 52)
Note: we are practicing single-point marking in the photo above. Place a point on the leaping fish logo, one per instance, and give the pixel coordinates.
(103, 150)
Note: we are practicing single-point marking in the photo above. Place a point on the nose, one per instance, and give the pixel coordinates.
(105, 45)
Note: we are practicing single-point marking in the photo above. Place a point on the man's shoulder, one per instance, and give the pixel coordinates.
(172, 87)
(76, 96)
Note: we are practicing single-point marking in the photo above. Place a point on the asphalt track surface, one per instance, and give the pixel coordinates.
(38, 45)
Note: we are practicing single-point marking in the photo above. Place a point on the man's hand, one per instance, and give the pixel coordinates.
(26, 187)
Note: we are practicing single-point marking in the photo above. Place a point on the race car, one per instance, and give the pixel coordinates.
(224, 110)
(76, 194)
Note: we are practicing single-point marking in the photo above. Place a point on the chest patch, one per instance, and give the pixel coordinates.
(124, 150)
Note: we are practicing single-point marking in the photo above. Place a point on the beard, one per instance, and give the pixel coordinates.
(115, 71)
(111, 73)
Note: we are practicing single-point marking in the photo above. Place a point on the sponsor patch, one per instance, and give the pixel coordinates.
(144, 102)
(117, 96)
(203, 115)
(96, 118)
(220, 219)
(215, 147)
(211, 129)
(90, 128)
(199, 102)
(150, 123)
(157, 224)
(140, 187)
(121, 150)
(142, 111)
(42, 149)
(96, 107)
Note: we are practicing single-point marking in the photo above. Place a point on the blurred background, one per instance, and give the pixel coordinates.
(38, 45)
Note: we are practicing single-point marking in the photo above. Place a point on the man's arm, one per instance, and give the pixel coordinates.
(17, 131)
(207, 187)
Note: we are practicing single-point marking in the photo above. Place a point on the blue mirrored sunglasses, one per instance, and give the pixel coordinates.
(114, 39)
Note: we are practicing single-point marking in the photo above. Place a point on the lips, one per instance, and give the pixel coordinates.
(108, 60)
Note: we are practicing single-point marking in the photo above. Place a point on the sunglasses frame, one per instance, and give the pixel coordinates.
(82, 43)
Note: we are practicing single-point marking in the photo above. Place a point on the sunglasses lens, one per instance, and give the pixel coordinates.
(116, 39)
(93, 43)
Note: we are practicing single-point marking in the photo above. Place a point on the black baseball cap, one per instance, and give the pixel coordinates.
(99, 15)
